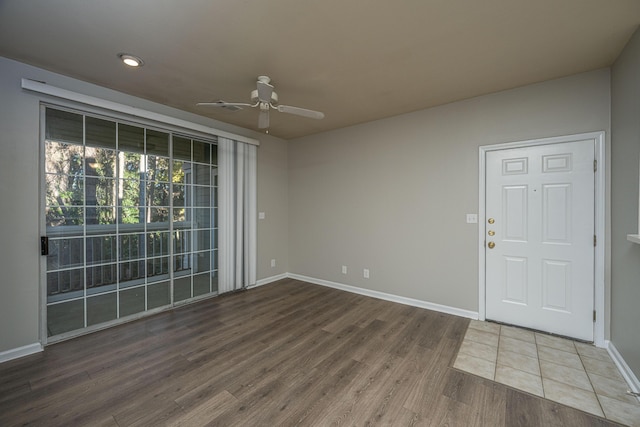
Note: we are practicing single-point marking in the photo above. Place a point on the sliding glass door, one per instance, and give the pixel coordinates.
(130, 214)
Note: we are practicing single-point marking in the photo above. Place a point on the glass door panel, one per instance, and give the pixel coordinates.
(130, 213)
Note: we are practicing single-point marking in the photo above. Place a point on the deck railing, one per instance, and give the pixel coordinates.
(111, 255)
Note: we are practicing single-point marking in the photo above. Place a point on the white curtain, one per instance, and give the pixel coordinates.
(237, 163)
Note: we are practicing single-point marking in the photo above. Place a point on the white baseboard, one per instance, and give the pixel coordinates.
(15, 353)
(388, 297)
(268, 280)
(624, 369)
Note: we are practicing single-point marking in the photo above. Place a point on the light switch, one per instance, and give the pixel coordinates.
(261, 215)
(472, 218)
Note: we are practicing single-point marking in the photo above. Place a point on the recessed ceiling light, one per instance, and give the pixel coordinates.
(131, 60)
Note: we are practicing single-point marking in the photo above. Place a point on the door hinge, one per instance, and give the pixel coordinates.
(595, 240)
(594, 316)
(595, 165)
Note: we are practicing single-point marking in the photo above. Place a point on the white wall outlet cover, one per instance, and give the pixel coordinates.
(344, 269)
(261, 215)
(472, 218)
(366, 273)
(273, 263)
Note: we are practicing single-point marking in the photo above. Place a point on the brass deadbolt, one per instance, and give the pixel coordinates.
(491, 245)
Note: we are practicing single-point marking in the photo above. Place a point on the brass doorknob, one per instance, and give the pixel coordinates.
(491, 245)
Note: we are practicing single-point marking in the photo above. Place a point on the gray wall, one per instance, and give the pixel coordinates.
(19, 195)
(273, 200)
(392, 195)
(625, 151)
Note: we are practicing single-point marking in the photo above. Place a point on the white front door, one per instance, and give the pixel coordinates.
(540, 237)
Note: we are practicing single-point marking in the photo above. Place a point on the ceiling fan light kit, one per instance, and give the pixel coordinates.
(265, 97)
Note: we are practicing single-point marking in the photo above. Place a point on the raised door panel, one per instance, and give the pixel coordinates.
(556, 213)
(515, 281)
(514, 213)
(556, 285)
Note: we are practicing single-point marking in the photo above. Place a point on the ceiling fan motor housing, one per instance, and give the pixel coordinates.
(254, 97)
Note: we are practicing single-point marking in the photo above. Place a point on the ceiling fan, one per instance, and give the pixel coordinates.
(266, 99)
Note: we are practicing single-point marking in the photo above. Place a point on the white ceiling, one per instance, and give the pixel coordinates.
(356, 60)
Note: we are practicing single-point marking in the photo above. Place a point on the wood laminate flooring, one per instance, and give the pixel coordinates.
(288, 353)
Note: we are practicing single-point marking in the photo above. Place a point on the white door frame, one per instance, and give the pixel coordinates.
(599, 199)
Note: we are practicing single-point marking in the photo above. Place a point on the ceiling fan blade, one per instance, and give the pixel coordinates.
(263, 119)
(300, 112)
(224, 104)
(264, 91)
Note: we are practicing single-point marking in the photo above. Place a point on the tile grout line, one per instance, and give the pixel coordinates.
(535, 340)
(591, 382)
(495, 366)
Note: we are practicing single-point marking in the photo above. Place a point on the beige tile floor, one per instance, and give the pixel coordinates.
(572, 373)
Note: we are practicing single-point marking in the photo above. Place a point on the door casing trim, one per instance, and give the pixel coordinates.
(599, 222)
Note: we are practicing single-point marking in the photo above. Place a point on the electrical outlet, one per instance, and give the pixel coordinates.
(273, 263)
(344, 269)
(366, 273)
(261, 215)
(472, 218)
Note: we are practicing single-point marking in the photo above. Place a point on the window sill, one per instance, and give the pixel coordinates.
(635, 238)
